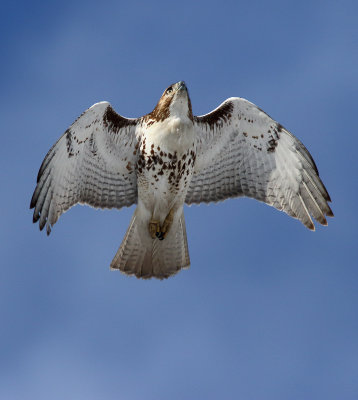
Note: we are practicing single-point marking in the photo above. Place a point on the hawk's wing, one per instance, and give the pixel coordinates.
(92, 163)
(241, 151)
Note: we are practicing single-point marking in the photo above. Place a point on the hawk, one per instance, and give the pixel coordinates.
(169, 158)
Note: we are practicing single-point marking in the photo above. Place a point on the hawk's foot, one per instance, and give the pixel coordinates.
(157, 231)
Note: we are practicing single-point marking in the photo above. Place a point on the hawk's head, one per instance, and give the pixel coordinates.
(175, 101)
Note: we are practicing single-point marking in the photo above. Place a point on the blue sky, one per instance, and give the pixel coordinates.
(268, 309)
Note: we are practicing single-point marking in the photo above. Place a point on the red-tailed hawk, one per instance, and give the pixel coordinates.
(168, 158)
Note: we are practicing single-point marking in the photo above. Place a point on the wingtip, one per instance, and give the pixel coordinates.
(322, 220)
(42, 224)
(309, 224)
(330, 213)
(32, 202)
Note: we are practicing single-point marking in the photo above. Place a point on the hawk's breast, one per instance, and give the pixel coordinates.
(166, 162)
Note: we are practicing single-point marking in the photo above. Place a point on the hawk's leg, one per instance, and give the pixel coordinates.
(167, 224)
(154, 228)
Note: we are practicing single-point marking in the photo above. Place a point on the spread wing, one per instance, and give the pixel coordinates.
(92, 163)
(241, 151)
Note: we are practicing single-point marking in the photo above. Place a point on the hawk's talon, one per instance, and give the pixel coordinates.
(160, 235)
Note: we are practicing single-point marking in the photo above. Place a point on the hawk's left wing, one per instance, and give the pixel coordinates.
(92, 163)
(241, 151)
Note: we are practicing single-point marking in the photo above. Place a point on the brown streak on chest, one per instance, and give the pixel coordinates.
(165, 164)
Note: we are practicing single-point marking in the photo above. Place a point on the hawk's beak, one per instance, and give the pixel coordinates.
(182, 86)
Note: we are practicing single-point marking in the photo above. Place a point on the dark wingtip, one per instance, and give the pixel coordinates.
(32, 202)
(42, 224)
(42, 167)
(330, 213)
(322, 220)
(35, 218)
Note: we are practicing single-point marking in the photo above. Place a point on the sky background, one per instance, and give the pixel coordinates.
(268, 309)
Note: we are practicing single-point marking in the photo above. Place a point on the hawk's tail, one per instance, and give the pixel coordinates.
(144, 257)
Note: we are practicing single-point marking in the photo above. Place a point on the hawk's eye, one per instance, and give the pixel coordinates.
(169, 90)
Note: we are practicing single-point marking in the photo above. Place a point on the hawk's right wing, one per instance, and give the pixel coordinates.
(241, 151)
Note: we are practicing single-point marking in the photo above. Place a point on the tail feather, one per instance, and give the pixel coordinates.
(144, 257)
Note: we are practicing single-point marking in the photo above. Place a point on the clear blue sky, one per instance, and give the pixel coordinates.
(268, 309)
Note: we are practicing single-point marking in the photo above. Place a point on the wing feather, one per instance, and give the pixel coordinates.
(241, 151)
(92, 163)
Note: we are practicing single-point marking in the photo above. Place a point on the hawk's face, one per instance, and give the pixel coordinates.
(175, 102)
